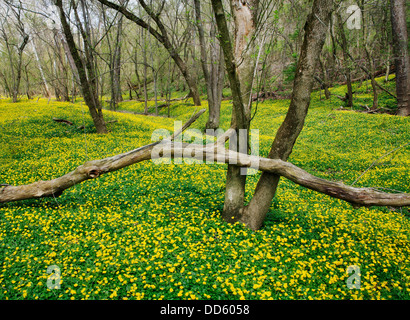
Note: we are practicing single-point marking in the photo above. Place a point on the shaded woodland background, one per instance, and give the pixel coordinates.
(126, 61)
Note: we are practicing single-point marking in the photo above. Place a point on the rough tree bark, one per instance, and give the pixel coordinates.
(316, 28)
(401, 55)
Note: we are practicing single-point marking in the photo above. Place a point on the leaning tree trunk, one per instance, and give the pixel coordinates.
(401, 55)
(315, 34)
(88, 88)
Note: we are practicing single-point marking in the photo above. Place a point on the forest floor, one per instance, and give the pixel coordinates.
(154, 231)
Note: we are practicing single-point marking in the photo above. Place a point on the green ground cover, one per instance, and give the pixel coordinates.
(154, 231)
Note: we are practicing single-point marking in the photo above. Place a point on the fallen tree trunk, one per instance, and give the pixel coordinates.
(63, 121)
(366, 76)
(215, 152)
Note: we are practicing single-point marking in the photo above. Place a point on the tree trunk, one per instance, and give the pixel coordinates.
(145, 73)
(137, 74)
(371, 70)
(325, 79)
(245, 17)
(6, 84)
(212, 77)
(315, 34)
(401, 55)
(47, 90)
(16, 88)
(88, 88)
(345, 51)
(27, 82)
(238, 76)
(372, 80)
(217, 82)
(117, 62)
(154, 76)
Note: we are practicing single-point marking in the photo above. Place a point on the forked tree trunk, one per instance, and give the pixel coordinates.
(401, 55)
(240, 69)
(315, 34)
(214, 74)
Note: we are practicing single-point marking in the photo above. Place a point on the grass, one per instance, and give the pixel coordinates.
(154, 231)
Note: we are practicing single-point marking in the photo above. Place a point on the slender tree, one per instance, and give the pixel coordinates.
(12, 19)
(346, 61)
(85, 70)
(114, 43)
(213, 71)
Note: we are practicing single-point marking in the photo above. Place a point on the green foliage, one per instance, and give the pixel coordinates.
(289, 71)
(154, 232)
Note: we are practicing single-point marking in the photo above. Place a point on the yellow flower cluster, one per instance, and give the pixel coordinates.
(154, 231)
